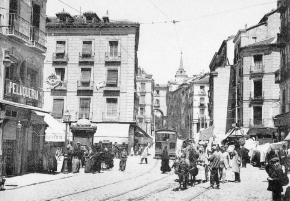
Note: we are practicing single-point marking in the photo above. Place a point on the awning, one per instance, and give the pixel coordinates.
(263, 132)
(206, 133)
(112, 132)
(282, 120)
(55, 132)
(287, 138)
(236, 132)
(23, 106)
(139, 132)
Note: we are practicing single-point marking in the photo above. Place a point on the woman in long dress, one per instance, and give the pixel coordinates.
(59, 158)
(201, 165)
(165, 161)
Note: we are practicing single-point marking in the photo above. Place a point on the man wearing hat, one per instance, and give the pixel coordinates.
(214, 167)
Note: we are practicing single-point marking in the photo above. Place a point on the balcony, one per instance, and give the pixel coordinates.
(156, 105)
(109, 57)
(257, 70)
(142, 91)
(277, 76)
(60, 58)
(256, 123)
(37, 38)
(85, 85)
(86, 58)
(201, 105)
(201, 93)
(256, 99)
(110, 117)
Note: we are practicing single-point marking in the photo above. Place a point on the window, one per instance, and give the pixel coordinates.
(35, 15)
(113, 48)
(283, 102)
(85, 77)
(201, 111)
(112, 78)
(202, 101)
(157, 92)
(87, 49)
(60, 49)
(143, 85)
(142, 110)
(60, 72)
(57, 109)
(201, 87)
(84, 110)
(258, 89)
(112, 106)
(157, 102)
(172, 145)
(32, 78)
(257, 115)
(258, 60)
(142, 99)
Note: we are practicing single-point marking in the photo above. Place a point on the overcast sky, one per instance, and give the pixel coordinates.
(203, 26)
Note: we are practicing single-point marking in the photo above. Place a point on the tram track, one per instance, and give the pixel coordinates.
(206, 189)
(138, 188)
(105, 185)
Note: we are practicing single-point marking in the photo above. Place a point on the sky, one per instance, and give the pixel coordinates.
(202, 27)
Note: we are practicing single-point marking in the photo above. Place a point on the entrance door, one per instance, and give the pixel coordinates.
(9, 154)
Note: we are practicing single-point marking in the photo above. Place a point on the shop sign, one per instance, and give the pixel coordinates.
(20, 90)
(53, 81)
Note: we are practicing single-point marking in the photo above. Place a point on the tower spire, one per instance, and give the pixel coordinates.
(181, 61)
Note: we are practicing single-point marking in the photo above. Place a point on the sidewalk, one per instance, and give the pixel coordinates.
(39, 178)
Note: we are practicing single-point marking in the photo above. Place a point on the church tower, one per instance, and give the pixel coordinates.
(180, 74)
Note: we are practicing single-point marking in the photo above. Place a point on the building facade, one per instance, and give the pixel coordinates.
(160, 106)
(145, 89)
(282, 75)
(94, 63)
(200, 116)
(222, 89)
(257, 57)
(22, 45)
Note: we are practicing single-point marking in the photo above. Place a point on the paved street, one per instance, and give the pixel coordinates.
(139, 182)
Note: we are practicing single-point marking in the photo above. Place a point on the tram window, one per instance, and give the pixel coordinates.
(158, 145)
(172, 145)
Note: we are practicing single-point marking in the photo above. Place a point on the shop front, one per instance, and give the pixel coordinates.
(282, 122)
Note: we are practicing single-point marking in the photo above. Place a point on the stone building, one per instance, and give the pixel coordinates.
(222, 90)
(22, 45)
(200, 117)
(95, 62)
(282, 75)
(257, 57)
(180, 110)
(145, 89)
(160, 106)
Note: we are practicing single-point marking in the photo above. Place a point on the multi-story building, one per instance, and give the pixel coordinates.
(222, 91)
(200, 115)
(145, 88)
(160, 107)
(257, 57)
(180, 110)
(95, 62)
(282, 76)
(22, 45)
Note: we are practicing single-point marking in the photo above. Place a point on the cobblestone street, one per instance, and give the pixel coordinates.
(138, 182)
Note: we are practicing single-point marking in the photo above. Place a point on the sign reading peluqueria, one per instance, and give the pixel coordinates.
(20, 90)
(22, 94)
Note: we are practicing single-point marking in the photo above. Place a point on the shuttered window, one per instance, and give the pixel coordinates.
(112, 78)
(85, 74)
(60, 49)
(87, 49)
(113, 48)
(112, 106)
(84, 110)
(57, 109)
(60, 72)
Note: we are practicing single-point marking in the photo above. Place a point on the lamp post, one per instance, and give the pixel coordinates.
(66, 120)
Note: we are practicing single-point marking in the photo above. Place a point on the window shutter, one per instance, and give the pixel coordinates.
(87, 48)
(84, 107)
(112, 78)
(112, 109)
(60, 47)
(57, 110)
(85, 75)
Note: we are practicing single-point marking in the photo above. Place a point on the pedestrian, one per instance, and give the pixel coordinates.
(76, 157)
(123, 160)
(116, 150)
(165, 161)
(2, 183)
(202, 162)
(144, 154)
(235, 164)
(276, 178)
(59, 158)
(244, 156)
(213, 167)
(69, 154)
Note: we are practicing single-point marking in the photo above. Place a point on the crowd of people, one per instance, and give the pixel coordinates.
(197, 163)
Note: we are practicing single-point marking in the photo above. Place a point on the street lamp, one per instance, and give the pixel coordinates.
(66, 120)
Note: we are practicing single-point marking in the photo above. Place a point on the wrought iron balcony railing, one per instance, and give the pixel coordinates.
(113, 57)
(110, 117)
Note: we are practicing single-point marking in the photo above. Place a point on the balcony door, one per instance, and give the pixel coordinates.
(112, 107)
(257, 115)
(113, 48)
(258, 86)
